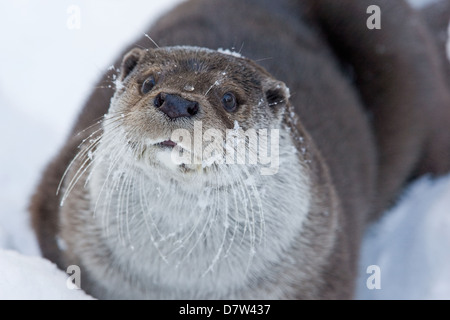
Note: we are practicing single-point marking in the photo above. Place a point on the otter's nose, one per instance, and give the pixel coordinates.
(175, 106)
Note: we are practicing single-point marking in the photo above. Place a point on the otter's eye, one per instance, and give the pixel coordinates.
(148, 85)
(229, 102)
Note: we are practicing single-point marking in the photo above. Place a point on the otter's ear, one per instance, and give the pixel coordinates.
(276, 93)
(130, 61)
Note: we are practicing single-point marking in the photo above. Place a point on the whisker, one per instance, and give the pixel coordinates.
(109, 196)
(259, 203)
(243, 201)
(236, 206)
(129, 183)
(79, 155)
(109, 86)
(153, 41)
(78, 174)
(264, 59)
(216, 83)
(97, 122)
(146, 210)
(113, 164)
(242, 47)
(202, 232)
(252, 225)
(190, 233)
(83, 152)
(222, 244)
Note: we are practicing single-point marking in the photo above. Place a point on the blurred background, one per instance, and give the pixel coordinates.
(52, 54)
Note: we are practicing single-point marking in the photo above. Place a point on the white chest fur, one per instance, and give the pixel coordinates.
(202, 241)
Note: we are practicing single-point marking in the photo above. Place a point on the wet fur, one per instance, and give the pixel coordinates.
(372, 108)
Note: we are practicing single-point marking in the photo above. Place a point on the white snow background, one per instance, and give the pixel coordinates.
(47, 72)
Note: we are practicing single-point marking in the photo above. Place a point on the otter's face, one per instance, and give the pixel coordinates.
(170, 101)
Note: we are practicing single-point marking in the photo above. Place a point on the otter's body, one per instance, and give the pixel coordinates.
(362, 116)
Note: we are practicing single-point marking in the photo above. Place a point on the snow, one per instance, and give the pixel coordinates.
(230, 52)
(27, 278)
(46, 63)
(411, 245)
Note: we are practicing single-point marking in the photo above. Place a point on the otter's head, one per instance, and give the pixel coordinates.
(175, 107)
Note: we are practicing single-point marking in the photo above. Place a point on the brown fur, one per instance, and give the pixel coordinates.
(374, 128)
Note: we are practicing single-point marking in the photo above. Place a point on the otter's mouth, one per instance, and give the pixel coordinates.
(167, 144)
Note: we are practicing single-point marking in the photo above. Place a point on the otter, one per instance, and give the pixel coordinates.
(348, 115)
